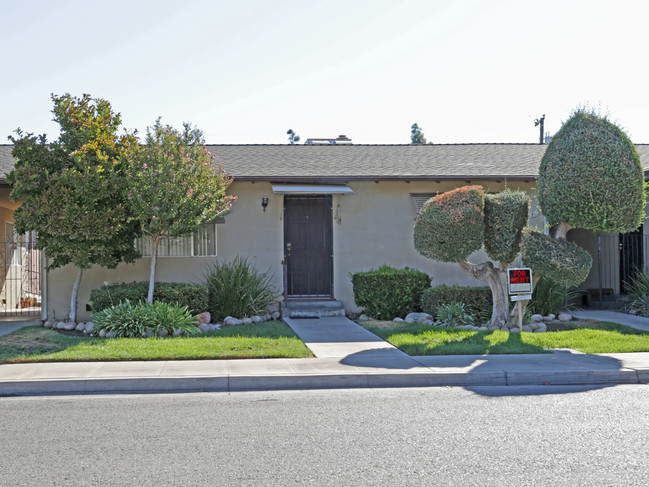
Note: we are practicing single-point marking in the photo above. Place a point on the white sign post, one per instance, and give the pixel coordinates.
(519, 285)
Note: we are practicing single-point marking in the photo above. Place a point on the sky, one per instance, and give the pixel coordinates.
(244, 72)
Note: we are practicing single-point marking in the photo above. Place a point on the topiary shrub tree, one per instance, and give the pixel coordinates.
(453, 225)
(591, 177)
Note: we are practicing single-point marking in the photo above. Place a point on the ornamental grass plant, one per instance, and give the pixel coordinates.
(238, 289)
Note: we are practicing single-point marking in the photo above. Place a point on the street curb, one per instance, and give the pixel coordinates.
(161, 385)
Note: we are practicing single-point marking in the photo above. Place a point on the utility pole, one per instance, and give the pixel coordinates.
(537, 122)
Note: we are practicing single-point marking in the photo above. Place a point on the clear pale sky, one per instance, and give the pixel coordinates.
(246, 71)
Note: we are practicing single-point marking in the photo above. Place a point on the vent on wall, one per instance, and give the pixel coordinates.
(418, 200)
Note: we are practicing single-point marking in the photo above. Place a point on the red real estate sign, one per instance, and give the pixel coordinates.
(519, 280)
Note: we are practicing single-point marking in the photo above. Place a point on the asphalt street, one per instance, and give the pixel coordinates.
(547, 435)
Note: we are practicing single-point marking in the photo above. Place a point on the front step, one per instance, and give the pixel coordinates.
(320, 309)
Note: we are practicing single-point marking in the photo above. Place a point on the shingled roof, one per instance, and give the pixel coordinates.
(373, 162)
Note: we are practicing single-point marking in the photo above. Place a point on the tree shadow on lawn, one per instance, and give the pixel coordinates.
(537, 371)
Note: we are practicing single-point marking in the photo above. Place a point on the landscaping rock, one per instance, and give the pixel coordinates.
(536, 318)
(80, 327)
(427, 322)
(548, 318)
(148, 334)
(542, 327)
(418, 316)
(204, 317)
(514, 330)
(90, 326)
(527, 329)
(534, 325)
(540, 330)
(398, 320)
(504, 328)
(276, 315)
(483, 328)
(257, 319)
(59, 325)
(363, 317)
(230, 321)
(102, 333)
(552, 316)
(48, 324)
(177, 332)
(204, 327)
(494, 327)
(267, 317)
(409, 320)
(565, 317)
(163, 333)
(69, 326)
(110, 334)
(246, 321)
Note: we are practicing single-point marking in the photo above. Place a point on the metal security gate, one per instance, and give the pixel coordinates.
(20, 276)
(308, 247)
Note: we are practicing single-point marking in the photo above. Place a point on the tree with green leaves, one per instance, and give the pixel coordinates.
(70, 189)
(417, 135)
(453, 225)
(173, 186)
(293, 138)
(590, 177)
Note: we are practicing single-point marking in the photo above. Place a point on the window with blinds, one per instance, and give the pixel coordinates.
(201, 243)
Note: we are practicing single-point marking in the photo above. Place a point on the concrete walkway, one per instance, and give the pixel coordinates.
(348, 356)
(604, 315)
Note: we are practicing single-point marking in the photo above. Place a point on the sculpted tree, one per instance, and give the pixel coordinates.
(453, 225)
(173, 186)
(71, 189)
(590, 177)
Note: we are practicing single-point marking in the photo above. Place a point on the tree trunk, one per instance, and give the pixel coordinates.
(562, 230)
(154, 258)
(73, 298)
(492, 276)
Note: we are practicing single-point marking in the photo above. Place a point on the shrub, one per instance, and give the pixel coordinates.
(133, 321)
(239, 289)
(387, 292)
(454, 314)
(564, 262)
(638, 285)
(193, 296)
(477, 300)
(505, 215)
(549, 297)
(591, 176)
(450, 226)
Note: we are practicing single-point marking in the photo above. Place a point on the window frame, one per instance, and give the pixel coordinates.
(139, 245)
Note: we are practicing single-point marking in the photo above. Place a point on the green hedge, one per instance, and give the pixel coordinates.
(193, 296)
(477, 300)
(387, 293)
(566, 263)
(505, 215)
(450, 226)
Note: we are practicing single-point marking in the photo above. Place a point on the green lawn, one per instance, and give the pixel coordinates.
(598, 337)
(271, 339)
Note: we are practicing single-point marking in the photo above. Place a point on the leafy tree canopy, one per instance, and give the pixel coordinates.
(591, 177)
(71, 188)
(417, 135)
(293, 138)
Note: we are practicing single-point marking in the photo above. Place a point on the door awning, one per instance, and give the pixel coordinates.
(311, 189)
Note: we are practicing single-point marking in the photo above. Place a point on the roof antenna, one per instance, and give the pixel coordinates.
(537, 122)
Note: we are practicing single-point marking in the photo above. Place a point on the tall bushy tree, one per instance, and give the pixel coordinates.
(173, 186)
(453, 225)
(70, 189)
(590, 177)
(417, 135)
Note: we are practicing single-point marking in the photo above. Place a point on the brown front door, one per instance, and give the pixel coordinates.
(308, 246)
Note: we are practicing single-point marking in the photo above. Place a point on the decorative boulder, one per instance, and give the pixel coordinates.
(565, 317)
(102, 333)
(276, 315)
(363, 317)
(536, 318)
(398, 320)
(257, 319)
(418, 317)
(90, 326)
(204, 327)
(80, 327)
(204, 317)
(69, 326)
(48, 324)
(110, 334)
(246, 321)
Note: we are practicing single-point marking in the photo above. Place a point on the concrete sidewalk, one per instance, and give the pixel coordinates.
(348, 356)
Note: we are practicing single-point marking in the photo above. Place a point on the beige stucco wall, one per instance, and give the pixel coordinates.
(375, 227)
